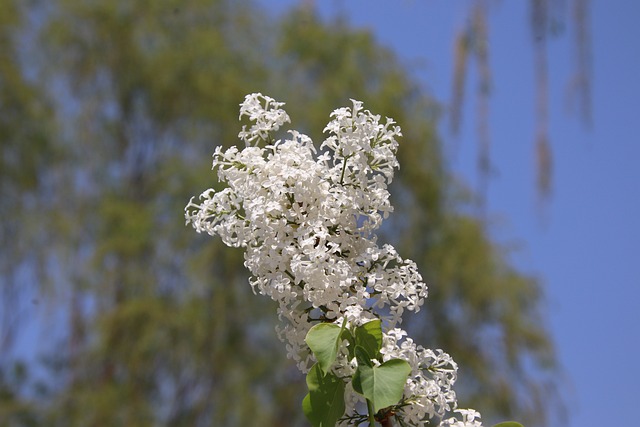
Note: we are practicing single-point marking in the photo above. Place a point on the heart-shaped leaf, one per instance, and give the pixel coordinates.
(324, 339)
(382, 385)
(369, 337)
(324, 404)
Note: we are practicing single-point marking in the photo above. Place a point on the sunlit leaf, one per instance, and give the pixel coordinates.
(383, 385)
(324, 339)
(324, 404)
(369, 337)
(508, 424)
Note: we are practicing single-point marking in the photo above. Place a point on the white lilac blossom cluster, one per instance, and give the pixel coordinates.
(307, 223)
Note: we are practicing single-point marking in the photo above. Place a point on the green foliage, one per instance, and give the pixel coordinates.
(508, 424)
(324, 404)
(369, 338)
(324, 339)
(381, 385)
(24, 146)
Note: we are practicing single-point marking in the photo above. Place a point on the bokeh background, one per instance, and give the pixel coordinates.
(517, 197)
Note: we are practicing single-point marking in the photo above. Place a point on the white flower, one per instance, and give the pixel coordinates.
(307, 223)
(267, 115)
(470, 418)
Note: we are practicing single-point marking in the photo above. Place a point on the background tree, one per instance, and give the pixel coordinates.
(547, 19)
(149, 325)
(24, 116)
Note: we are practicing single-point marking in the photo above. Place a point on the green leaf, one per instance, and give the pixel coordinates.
(324, 404)
(382, 385)
(508, 424)
(323, 340)
(369, 337)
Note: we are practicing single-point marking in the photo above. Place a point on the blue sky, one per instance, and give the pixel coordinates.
(585, 245)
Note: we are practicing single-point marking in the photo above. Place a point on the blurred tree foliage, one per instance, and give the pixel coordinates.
(109, 111)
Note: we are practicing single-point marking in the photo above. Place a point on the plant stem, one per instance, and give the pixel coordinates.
(372, 418)
(344, 169)
(386, 422)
